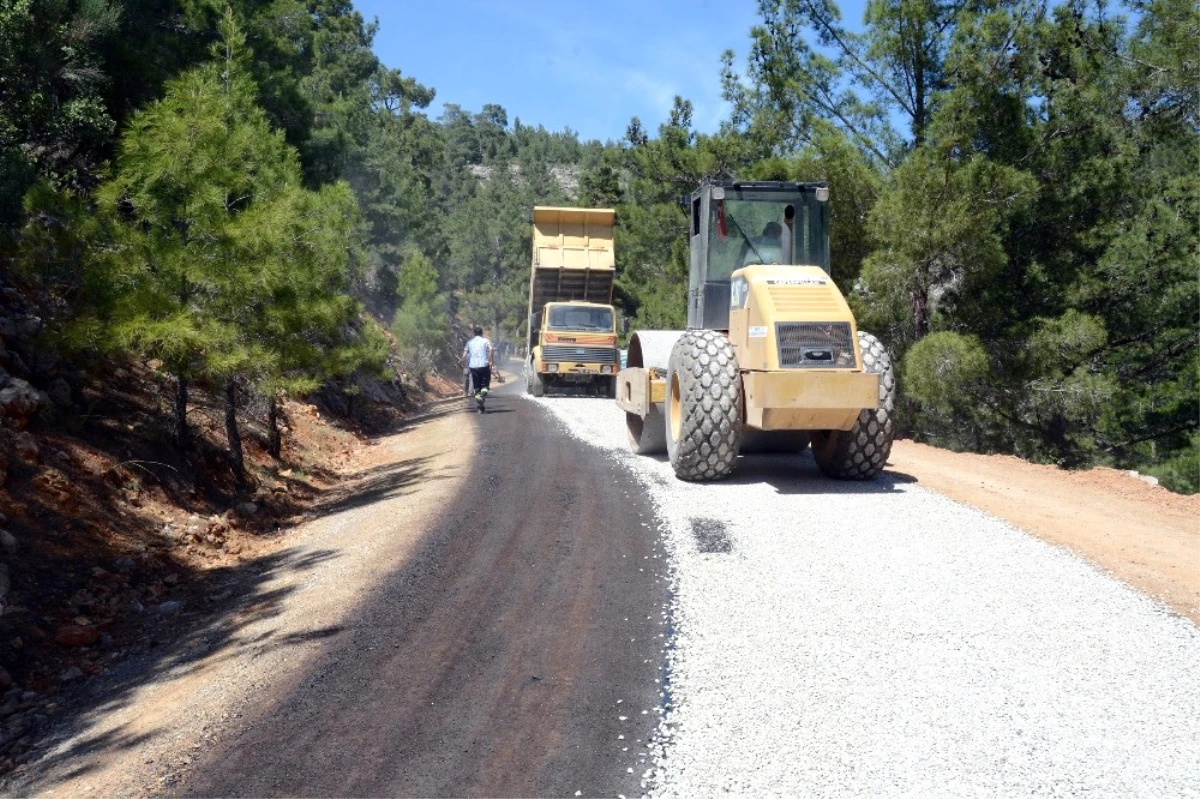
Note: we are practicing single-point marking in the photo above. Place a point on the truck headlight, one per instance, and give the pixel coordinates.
(551, 367)
(606, 370)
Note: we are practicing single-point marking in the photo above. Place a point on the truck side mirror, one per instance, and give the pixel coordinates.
(624, 325)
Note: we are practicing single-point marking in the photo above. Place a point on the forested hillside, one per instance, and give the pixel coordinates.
(242, 193)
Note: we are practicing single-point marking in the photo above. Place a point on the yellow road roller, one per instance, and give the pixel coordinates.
(772, 359)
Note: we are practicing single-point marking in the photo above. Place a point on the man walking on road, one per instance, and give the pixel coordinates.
(479, 356)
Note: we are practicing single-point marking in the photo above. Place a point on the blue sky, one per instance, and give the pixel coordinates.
(587, 65)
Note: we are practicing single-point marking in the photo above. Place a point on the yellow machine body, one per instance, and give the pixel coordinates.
(772, 359)
(778, 396)
(781, 398)
(571, 352)
(571, 330)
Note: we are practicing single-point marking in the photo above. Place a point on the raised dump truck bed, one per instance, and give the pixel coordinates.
(572, 257)
(571, 331)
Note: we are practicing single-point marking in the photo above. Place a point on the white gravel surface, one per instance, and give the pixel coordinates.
(878, 639)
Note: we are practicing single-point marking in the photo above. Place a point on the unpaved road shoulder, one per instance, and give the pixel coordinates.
(479, 613)
(151, 721)
(1144, 535)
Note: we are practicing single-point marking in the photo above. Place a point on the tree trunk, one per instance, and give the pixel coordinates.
(181, 403)
(236, 464)
(920, 309)
(919, 112)
(496, 334)
(275, 438)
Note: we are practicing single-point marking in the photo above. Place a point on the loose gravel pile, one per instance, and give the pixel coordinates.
(872, 639)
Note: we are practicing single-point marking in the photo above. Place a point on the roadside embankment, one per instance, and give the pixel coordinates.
(1140, 533)
(138, 727)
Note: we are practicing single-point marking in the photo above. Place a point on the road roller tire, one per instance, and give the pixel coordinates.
(703, 406)
(861, 452)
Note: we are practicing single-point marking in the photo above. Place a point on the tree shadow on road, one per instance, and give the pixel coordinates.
(209, 616)
(376, 484)
(452, 406)
(209, 626)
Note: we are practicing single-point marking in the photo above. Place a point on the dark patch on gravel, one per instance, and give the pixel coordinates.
(711, 537)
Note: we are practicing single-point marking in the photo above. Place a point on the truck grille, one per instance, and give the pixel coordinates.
(567, 354)
(818, 345)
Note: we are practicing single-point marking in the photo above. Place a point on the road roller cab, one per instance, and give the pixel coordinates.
(772, 357)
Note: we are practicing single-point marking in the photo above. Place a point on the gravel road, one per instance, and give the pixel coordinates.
(878, 639)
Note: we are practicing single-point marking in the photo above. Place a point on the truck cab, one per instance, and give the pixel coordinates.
(577, 344)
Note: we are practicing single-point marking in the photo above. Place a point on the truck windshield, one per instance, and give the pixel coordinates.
(750, 233)
(567, 317)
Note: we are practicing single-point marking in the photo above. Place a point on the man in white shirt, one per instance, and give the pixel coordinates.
(479, 356)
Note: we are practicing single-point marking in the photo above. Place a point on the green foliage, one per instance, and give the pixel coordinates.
(421, 325)
(1013, 187)
(946, 396)
(938, 226)
(808, 71)
(53, 120)
(945, 371)
(208, 253)
(182, 272)
(1180, 473)
(1038, 207)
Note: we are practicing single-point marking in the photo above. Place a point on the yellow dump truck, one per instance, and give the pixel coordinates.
(571, 333)
(772, 359)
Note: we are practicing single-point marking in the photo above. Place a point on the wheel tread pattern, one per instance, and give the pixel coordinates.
(537, 387)
(861, 452)
(710, 404)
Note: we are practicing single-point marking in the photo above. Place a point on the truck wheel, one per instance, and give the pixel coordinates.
(861, 452)
(536, 386)
(703, 407)
(647, 436)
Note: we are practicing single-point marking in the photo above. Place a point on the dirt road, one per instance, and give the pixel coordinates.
(476, 617)
(500, 662)
(1139, 533)
(439, 629)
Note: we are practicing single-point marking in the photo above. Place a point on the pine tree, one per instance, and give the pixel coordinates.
(222, 264)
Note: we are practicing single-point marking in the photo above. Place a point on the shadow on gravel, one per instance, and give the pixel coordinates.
(796, 474)
(201, 621)
(375, 485)
(209, 626)
(111, 741)
(791, 474)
